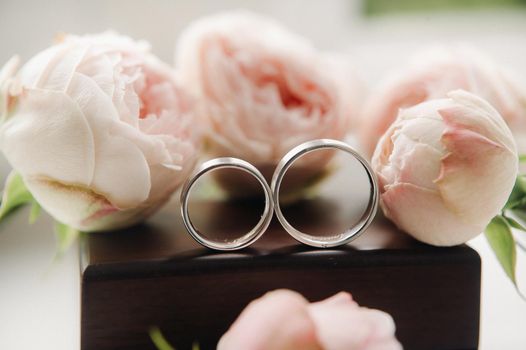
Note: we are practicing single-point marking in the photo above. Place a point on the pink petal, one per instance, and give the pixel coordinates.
(382, 108)
(80, 207)
(343, 325)
(119, 163)
(476, 114)
(277, 321)
(475, 162)
(33, 140)
(421, 213)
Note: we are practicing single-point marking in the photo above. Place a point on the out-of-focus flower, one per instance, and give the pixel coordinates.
(263, 91)
(98, 129)
(433, 73)
(283, 320)
(446, 167)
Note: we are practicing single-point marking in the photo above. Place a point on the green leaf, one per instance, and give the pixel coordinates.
(15, 194)
(514, 223)
(500, 239)
(36, 209)
(522, 158)
(161, 343)
(66, 236)
(519, 214)
(521, 182)
(158, 339)
(517, 197)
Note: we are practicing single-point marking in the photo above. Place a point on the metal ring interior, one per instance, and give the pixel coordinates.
(252, 235)
(337, 239)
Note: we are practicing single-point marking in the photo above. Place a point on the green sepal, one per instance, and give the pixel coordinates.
(66, 236)
(15, 194)
(519, 214)
(500, 238)
(35, 212)
(517, 197)
(159, 340)
(514, 223)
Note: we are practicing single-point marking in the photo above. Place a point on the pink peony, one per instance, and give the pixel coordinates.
(431, 75)
(283, 320)
(446, 167)
(263, 91)
(99, 130)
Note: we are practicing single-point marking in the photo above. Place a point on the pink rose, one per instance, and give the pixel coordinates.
(98, 129)
(446, 167)
(263, 91)
(433, 73)
(283, 319)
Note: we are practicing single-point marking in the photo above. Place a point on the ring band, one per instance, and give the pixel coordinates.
(335, 240)
(252, 235)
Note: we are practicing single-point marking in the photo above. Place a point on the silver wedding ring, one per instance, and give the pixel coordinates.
(252, 235)
(334, 240)
(272, 195)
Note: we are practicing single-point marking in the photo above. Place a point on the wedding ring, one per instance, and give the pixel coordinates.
(252, 235)
(334, 240)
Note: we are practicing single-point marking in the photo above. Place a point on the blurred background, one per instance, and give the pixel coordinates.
(39, 299)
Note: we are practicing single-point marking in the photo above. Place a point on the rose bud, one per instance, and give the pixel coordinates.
(445, 168)
(433, 73)
(98, 129)
(283, 319)
(264, 90)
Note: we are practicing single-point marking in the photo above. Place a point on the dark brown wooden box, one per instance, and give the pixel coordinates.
(155, 274)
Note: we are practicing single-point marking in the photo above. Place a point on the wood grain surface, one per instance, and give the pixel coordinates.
(156, 275)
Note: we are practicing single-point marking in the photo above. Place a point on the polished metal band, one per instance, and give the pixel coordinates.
(248, 238)
(335, 240)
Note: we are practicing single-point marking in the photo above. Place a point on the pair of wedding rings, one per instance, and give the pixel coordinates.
(272, 203)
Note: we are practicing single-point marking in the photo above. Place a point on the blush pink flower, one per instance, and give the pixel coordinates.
(264, 90)
(98, 128)
(283, 320)
(433, 73)
(446, 167)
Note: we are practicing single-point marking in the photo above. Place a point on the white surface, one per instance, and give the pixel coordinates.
(39, 299)
(503, 312)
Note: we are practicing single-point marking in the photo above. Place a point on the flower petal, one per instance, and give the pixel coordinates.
(277, 321)
(122, 173)
(341, 324)
(33, 140)
(80, 207)
(476, 114)
(6, 75)
(58, 72)
(475, 163)
(263, 89)
(421, 213)
(68, 204)
(119, 162)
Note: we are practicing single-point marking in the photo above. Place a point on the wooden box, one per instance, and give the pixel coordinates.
(156, 275)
